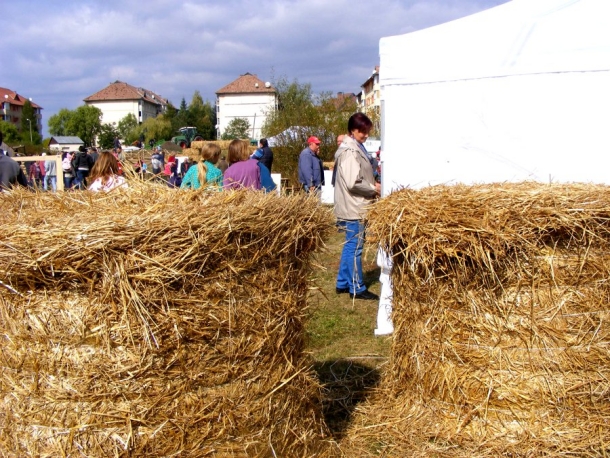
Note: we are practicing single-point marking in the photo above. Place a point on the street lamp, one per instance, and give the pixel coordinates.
(30, 121)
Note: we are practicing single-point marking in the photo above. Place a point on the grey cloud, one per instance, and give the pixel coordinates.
(175, 48)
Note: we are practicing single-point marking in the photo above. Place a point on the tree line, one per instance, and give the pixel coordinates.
(27, 132)
(300, 113)
(85, 122)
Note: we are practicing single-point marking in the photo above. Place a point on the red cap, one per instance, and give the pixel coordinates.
(313, 139)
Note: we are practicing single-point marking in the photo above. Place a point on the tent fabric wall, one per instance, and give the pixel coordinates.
(516, 92)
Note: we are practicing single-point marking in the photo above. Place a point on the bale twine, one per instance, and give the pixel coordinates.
(157, 322)
(501, 315)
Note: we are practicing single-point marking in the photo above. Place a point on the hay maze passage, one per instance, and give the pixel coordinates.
(157, 322)
(501, 315)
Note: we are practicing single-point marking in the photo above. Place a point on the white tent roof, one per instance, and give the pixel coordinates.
(518, 37)
(519, 91)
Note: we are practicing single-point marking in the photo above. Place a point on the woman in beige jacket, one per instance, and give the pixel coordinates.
(355, 189)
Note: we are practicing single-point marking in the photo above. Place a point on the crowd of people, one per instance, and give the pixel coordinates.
(103, 171)
(355, 180)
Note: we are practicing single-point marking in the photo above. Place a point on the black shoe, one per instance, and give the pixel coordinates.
(341, 290)
(365, 295)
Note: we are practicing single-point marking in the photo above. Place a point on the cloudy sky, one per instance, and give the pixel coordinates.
(59, 52)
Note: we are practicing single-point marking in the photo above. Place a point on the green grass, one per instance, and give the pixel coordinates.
(348, 358)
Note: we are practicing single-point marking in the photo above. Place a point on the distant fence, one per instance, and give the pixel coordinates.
(57, 159)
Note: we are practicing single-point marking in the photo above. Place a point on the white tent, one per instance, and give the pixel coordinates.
(517, 92)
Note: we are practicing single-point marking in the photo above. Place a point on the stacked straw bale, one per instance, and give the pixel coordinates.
(198, 144)
(502, 323)
(192, 153)
(157, 322)
(224, 144)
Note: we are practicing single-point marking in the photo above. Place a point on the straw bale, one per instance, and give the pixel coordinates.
(224, 144)
(191, 152)
(198, 144)
(502, 323)
(157, 322)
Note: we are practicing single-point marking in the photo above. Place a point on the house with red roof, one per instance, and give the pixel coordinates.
(371, 93)
(12, 107)
(118, 99)
(247, 97)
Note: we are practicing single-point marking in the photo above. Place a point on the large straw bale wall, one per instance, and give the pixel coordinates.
(501, 310)
(157, 322)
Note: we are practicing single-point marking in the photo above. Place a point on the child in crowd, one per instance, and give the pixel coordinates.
(105, 173)
(205, 173)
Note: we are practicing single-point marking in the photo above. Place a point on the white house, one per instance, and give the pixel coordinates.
(247, 97)
(118, 99)
(370, 100)
(65, 143)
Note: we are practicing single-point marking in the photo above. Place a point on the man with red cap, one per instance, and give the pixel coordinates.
(311, 169)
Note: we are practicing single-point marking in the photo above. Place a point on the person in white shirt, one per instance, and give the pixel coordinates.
(105, 173)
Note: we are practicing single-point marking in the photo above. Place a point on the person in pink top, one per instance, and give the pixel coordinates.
(243, 172)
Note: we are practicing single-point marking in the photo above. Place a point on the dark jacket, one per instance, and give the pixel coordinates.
(10, 173)
(267, 158)
(82, 161)
(311, 169)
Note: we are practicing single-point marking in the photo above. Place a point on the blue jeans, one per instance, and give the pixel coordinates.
(350, 267)
(80, 180)
(68, 182)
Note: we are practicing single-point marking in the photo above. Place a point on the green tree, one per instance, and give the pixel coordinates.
(106, 136)
(207, 124)
(196, 101)
(58, 122)
(202, 115)
(237, 128)
(29, 124)
(198, 113)
(158, 128)
(375, 117)
(85, 122)
(295, 108)
(170, 113)
(301, 113)
(181, 119)
(10, 133)
(127, 128)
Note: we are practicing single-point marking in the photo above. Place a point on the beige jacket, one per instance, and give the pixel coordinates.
(354, 182)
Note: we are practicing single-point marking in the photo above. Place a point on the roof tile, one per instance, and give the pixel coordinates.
(14, 98)
(123, 91)
(246, 84)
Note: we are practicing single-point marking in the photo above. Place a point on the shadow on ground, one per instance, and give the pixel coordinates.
(346, 383)
(371, 276)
